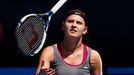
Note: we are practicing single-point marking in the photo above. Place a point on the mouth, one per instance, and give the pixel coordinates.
(72, 30)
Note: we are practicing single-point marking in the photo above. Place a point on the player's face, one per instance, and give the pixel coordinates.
(74, 26)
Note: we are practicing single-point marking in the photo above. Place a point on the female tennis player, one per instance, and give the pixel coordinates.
(71, 56)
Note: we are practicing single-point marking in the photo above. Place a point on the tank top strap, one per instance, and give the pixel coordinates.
(57, 58)
(88, 59)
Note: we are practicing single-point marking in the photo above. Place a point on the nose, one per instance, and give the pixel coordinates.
(73, 25)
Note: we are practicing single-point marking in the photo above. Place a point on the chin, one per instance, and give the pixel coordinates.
(73, 36)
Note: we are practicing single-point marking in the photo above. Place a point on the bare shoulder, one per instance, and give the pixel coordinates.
(96, 63)
(95, 56)
(95, 53)
(47, 52)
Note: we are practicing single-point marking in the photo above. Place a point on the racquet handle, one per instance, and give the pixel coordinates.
(57, 5)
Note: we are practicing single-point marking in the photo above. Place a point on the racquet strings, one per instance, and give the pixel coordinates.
(30, 34)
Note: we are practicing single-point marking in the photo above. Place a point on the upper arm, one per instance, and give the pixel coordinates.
(96, 63)
(45, 59)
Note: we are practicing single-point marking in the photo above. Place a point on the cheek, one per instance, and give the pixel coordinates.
(66, 27)
(63, 27)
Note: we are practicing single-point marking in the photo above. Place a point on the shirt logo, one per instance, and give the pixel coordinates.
(86, 67)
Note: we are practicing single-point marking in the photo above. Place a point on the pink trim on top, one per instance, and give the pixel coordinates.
(85, 54)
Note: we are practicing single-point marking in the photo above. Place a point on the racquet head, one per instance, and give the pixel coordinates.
(30, 34)
(31, 31)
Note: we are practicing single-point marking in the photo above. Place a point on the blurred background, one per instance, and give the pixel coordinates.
(111, 29)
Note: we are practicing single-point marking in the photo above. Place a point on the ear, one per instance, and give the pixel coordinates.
(85, 30)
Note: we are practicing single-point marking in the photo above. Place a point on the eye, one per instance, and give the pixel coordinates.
(70, 21)
(79, 22)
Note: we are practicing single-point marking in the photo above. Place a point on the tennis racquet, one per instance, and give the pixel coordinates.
(31, 30)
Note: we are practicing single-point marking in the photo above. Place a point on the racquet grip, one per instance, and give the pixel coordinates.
(58, 5)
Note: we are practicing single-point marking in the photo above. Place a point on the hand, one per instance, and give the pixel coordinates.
(50, 71)
(47, 71)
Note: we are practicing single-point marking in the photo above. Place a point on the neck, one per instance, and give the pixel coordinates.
(72, 44)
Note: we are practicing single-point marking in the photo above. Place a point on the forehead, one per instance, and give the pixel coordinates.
(76, 17)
